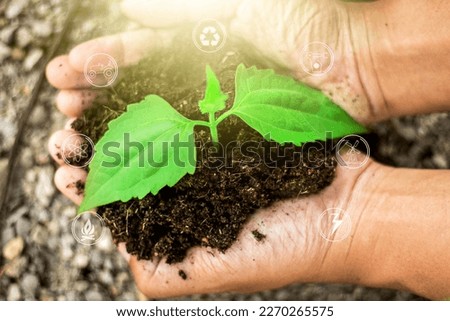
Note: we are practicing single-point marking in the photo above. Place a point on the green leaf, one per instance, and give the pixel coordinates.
(287, 111)
(214, 99)
(120, 170)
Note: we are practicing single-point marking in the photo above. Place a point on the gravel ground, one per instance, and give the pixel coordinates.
(40, 258)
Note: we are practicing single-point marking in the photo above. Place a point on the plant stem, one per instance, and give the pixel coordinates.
(223, 116)
(212, 125)
(201, 123)
(213, 128)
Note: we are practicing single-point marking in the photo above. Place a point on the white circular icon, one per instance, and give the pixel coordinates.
(209, 35)
(101, 70)
(347, 154)
(316, 58)
(334, 225)
(88, 228)
(77, 150)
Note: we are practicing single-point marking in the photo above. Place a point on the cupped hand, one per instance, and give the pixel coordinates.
(293, 250)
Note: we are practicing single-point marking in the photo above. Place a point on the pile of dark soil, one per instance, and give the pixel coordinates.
(210, 207)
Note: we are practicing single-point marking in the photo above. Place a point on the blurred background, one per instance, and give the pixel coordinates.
(40, 259)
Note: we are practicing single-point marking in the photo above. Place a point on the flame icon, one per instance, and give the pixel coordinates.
(88, 228)
(88, 231)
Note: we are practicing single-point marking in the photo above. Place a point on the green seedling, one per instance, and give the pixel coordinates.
(276, 106)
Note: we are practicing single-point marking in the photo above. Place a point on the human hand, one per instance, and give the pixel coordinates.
(278, 42)
(277, 31)
(293, 240)
(66, 73)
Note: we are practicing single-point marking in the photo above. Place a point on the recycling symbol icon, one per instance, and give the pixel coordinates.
(210, 37)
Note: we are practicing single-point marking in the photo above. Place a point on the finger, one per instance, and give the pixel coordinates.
(69, 123)
(61, 75)
(72, 103)
(163, 13)
(125, 48)
(70, 181)
(121, 247)
(55, 144)
(69, 147)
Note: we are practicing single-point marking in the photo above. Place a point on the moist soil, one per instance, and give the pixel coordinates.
(210, 207)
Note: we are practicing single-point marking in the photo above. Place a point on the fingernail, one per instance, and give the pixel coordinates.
(123, 251)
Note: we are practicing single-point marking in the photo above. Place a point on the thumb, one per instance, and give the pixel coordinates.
(126, 48)
(169, 13)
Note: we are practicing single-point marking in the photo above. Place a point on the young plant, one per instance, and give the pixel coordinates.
(276, 106)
